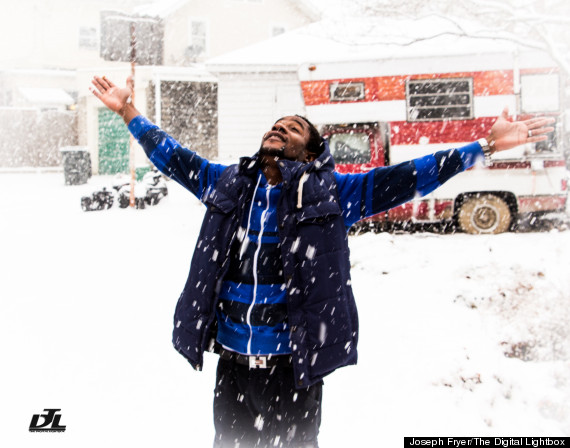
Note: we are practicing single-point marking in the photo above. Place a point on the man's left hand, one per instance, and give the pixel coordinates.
(507, 134)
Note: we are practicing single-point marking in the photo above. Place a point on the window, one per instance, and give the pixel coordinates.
(346, 91)
(88, 38)
(116, 36)
(550, 144)
(353, 147)
(198, 38)
(540, 93)
(439, 99)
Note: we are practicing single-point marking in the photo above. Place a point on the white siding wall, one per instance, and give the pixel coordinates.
(248, 108)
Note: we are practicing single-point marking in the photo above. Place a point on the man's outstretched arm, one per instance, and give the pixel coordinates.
(364, 195)
(181, 164)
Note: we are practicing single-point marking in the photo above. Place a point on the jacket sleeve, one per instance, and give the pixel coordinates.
(365, 194)
(186, 167)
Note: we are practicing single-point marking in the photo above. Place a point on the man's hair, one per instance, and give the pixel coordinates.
(316, 144)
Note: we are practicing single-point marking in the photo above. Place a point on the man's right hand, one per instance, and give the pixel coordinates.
(115, 98)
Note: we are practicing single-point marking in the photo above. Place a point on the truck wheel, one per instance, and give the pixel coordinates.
(484, 214)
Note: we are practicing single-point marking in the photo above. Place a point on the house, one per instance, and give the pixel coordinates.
(34, 103)
(196, 30)
(182, 100)
(48, 48)
(180, 95)
(42, 45)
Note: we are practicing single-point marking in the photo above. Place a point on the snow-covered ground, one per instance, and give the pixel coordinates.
(86, 312)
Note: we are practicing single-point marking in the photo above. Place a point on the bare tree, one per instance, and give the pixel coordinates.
(533, 24)
(536, 24)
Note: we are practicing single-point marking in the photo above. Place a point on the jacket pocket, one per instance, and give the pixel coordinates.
(220, 202)
(319, 213)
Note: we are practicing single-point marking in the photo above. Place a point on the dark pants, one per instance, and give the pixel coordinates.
(261, 408)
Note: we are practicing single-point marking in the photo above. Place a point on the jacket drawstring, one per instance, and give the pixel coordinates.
(245, 240)
(302, 181)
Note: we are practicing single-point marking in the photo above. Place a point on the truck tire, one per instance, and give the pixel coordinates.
(484, 214)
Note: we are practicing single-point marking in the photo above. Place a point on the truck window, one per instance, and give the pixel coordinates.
(350, 147)
(548, 145)
(346, 91)
(439, 99)
(540, 93)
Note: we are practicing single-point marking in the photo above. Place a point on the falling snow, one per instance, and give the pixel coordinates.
(459, 335)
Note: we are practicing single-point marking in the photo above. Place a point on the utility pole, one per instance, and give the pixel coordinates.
(121, 34)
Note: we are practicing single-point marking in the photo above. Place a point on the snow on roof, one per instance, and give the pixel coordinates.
(312, 9)
(360, 39)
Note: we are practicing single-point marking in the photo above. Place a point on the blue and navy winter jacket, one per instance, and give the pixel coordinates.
(270, 272)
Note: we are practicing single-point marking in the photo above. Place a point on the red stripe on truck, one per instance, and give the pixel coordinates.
(431, 132)
(390, 88)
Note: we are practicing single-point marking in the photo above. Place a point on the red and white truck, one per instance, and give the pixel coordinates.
(377, 113)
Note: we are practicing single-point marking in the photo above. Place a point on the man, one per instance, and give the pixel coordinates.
(269, 284)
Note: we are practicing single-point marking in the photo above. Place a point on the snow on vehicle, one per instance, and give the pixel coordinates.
(375, 113)
(149, 191)
(99, 200)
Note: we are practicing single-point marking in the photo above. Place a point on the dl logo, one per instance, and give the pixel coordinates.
(50, 423)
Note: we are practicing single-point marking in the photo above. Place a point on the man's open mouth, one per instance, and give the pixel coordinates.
(276, 135)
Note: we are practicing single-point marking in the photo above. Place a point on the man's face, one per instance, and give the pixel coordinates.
(287, 139)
